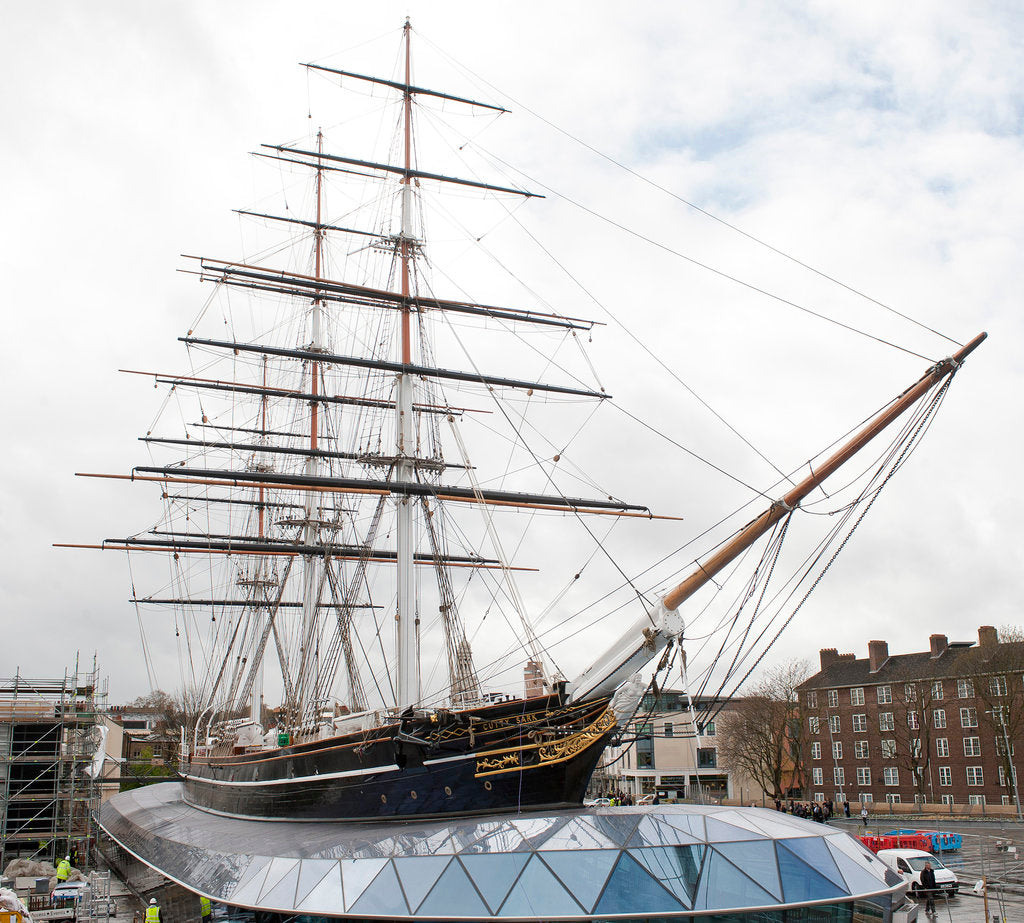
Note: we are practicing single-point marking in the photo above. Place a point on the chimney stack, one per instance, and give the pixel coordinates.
(987, 636)
(533, 679)
(938, 643)
(878, 653)
(828, 656)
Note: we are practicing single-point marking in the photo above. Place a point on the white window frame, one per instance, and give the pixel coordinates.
(965, 689)
(913, 721)
(817, 776)
(945, 776)
(816, 751)
(865, 798)
(939, 718)
(860, 724)
(972, 746)
(837, 749)
(857, 695)
(968, 717)
(937, 691)
(884, 695)
(946, 799)
(833, 698)
(888, 749)
(979, 800)
(975, 776)
(886, 721)
(839, 776)
(863, 775)
(833, 724)
(891, 775)
(892, 798)
(812, 699)
(814, 724)
(997, 685)
(942, 746)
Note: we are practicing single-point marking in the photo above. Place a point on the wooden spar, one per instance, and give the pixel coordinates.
(211, 482)
(275, 554)
(750, 533)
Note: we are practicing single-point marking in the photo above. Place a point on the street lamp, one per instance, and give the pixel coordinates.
(1009, 757)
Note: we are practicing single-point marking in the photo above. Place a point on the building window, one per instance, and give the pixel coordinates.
(888, 749)
(915, 748)
(857, 696)
(945, 776)
(707, 758)
(833, 698)
(891, 775)
(817, 776)
(968, 717)
(1005, 799)
(833, 724)
(708, 729)
(668, 729)
(860, 749)
(892, 799)
(976, 799)
(815, 751)
(814, 724)
(947, 799)
(909, 692)
(839, 776)
(860, 724)
(972, 746)
(939, 718)
(819, 796)
(965, 689)
(937, 690)
(913, 721)
(645, 747)
(997, 685)
(837, 750)
(1001, 746)
(942, 746)
(886, 722)
(1002, 776)
(975, 776)
(865, 798)
(884, 694)
(812, 700)
(863, 775)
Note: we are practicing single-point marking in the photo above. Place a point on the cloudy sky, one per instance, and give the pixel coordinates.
(880, 144)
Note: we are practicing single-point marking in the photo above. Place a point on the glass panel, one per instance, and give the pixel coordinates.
(719, 832)
(311, 873)
(503, 838)
(746, 820)
(383, 897)
(282, 895)
(632, 890)
(534, 830)
(723, 886)
(652, 833)
(616, 828)
(757, 860)
(692, 824)
(538, 893)
(326, 897)
(577, 834)
(858, 879)
(802, 883)
(357, 874)
(676, 867)
(278, 869)
(582, 871)
(777, 823)
(248, 891)
(494, 874)
(815, 853)
(418, 875)
(454, 894)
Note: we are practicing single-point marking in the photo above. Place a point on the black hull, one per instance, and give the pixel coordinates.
(525, 755)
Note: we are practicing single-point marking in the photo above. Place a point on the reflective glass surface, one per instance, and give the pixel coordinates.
(652, 862)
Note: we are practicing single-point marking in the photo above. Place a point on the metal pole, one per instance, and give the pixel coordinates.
(1009, 759)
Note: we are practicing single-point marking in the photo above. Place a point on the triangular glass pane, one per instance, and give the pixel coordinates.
(815, 853)
(858, 879)
(632, 890)
(326, 897)
(616, 828)
(777, 823)
(500, 838)
(757, 860)
(258, 866)
(282, 895)
(745, 820)
(538, 893)
(721, 832)
(536, 830)
(675, 867)
(693, 824)
(418, 875)
(357, 874)
(725, 887)
(802, 883)
(494, 873)
(651, 832)
(578, 833)
(279, 868)
(432, 843)
(453, 895)
(311, 873)
(383, 897)
(582, 871)
(248, 891)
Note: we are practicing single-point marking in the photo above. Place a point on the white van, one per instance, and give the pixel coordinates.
(910, 862)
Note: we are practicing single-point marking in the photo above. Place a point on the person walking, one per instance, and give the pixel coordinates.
(63, 869)
(864, 815)
(846, 809)
(928, 887)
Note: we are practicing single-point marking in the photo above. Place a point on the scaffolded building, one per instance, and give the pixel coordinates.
(49, 737)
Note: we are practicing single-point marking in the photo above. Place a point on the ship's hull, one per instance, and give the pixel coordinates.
(528, 754)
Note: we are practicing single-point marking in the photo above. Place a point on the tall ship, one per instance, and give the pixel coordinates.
(329, 595)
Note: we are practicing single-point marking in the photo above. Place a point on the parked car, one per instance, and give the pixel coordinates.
(646, 799)
(910, 862)
(596, 802)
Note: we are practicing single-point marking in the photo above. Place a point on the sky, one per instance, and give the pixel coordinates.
(879, 144)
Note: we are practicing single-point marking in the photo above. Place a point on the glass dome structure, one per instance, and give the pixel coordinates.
(647, 862)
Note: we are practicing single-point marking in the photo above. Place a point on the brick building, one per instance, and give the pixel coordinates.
(938, 726)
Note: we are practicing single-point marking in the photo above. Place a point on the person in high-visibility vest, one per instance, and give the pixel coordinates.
(205, 909)
(64, 869)
(153, 911)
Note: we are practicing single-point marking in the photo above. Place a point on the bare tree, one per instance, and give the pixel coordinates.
(913, 731)
(172, 711)
(763, 735)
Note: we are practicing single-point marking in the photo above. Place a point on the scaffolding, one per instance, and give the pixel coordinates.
(49, 736)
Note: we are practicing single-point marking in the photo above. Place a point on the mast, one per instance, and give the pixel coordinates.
(406, 621)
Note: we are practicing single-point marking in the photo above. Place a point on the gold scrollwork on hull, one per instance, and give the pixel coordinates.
(497, 762)
(547, 753)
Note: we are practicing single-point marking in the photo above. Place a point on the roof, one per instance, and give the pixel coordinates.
(900, 668)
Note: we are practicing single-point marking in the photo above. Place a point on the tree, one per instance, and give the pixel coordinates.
(763, 735)
(913, 720)
(994, 669)
(179, 710)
